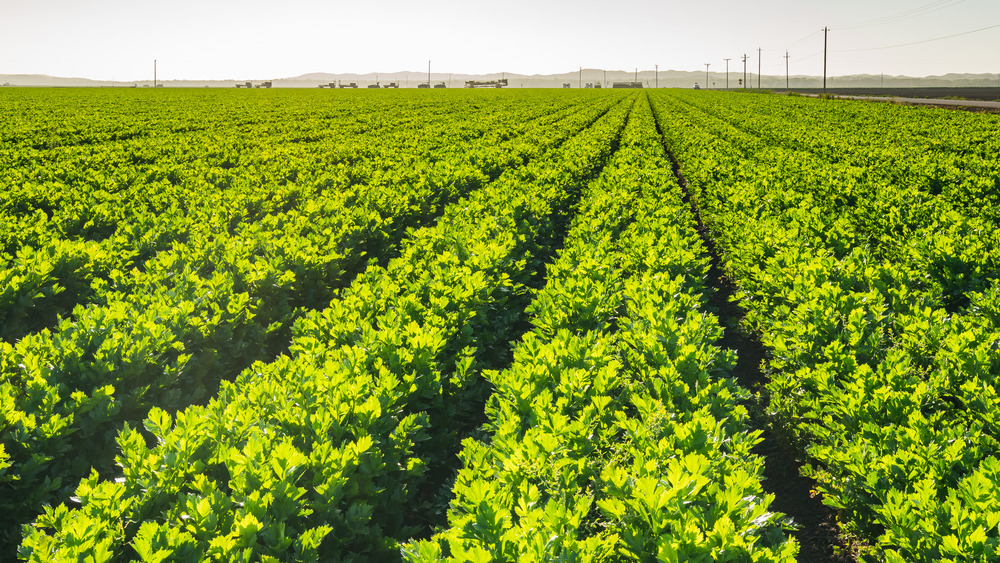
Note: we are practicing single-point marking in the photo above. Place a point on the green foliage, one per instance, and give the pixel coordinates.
(326, 452)
(615, 433)
(867, 260)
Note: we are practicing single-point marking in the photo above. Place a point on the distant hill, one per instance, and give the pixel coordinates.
(44, 80)
(663, 79)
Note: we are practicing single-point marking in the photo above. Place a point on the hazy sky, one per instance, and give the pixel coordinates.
(257, 39)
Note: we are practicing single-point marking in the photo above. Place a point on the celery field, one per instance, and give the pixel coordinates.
(309, 325)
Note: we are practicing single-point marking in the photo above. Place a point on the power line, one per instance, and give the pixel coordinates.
(883, 20)
(918, 42)
(794, 43)
(796, 59)
(775, 66)
(906, 14)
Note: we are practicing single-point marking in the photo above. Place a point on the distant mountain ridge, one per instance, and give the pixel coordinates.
(575, 79)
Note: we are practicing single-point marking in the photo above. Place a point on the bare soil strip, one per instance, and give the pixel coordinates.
(976, 106)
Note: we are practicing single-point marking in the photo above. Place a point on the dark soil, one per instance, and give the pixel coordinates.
(816, 530)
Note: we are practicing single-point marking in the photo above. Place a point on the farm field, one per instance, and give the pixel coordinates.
(986, 94)
(485, 326)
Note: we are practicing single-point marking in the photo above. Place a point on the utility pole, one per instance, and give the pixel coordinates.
(826, 30)
(758, 67)
(428, 74)
(727, 73)
(636, 79)
(707, 82)
(154, 73)
(786, 70)
(657, 81)
(580, 85)
(744, 71)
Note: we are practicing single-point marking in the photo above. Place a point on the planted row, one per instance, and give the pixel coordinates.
(205, 310)
(93, 213)
(616, 433)
(884, 342)
(925, 153)
(314, 454)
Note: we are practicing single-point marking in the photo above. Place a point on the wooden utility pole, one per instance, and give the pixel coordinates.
(786, 70)
(657, 80)
(154, 73)
(826, 30)
(707, 83)
(758, 67)
(744, 71)
(727, 73)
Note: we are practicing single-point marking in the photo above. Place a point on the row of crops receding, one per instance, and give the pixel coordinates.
(354, 326)
(867, 261)
(165, 331)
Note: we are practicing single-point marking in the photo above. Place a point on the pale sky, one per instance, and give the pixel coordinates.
(257, 39)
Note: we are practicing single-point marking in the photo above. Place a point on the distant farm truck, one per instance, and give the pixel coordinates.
(486, 83)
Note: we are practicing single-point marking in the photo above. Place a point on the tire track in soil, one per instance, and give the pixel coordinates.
(817, 532)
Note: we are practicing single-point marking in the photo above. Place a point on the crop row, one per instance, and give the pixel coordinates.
(92, 213)
(325, 452)
(880, 313)
(922, 153)
(616, 434)
(206, 309)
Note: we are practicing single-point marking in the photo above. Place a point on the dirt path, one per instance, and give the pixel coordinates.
(932, 101)
(972, 105)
